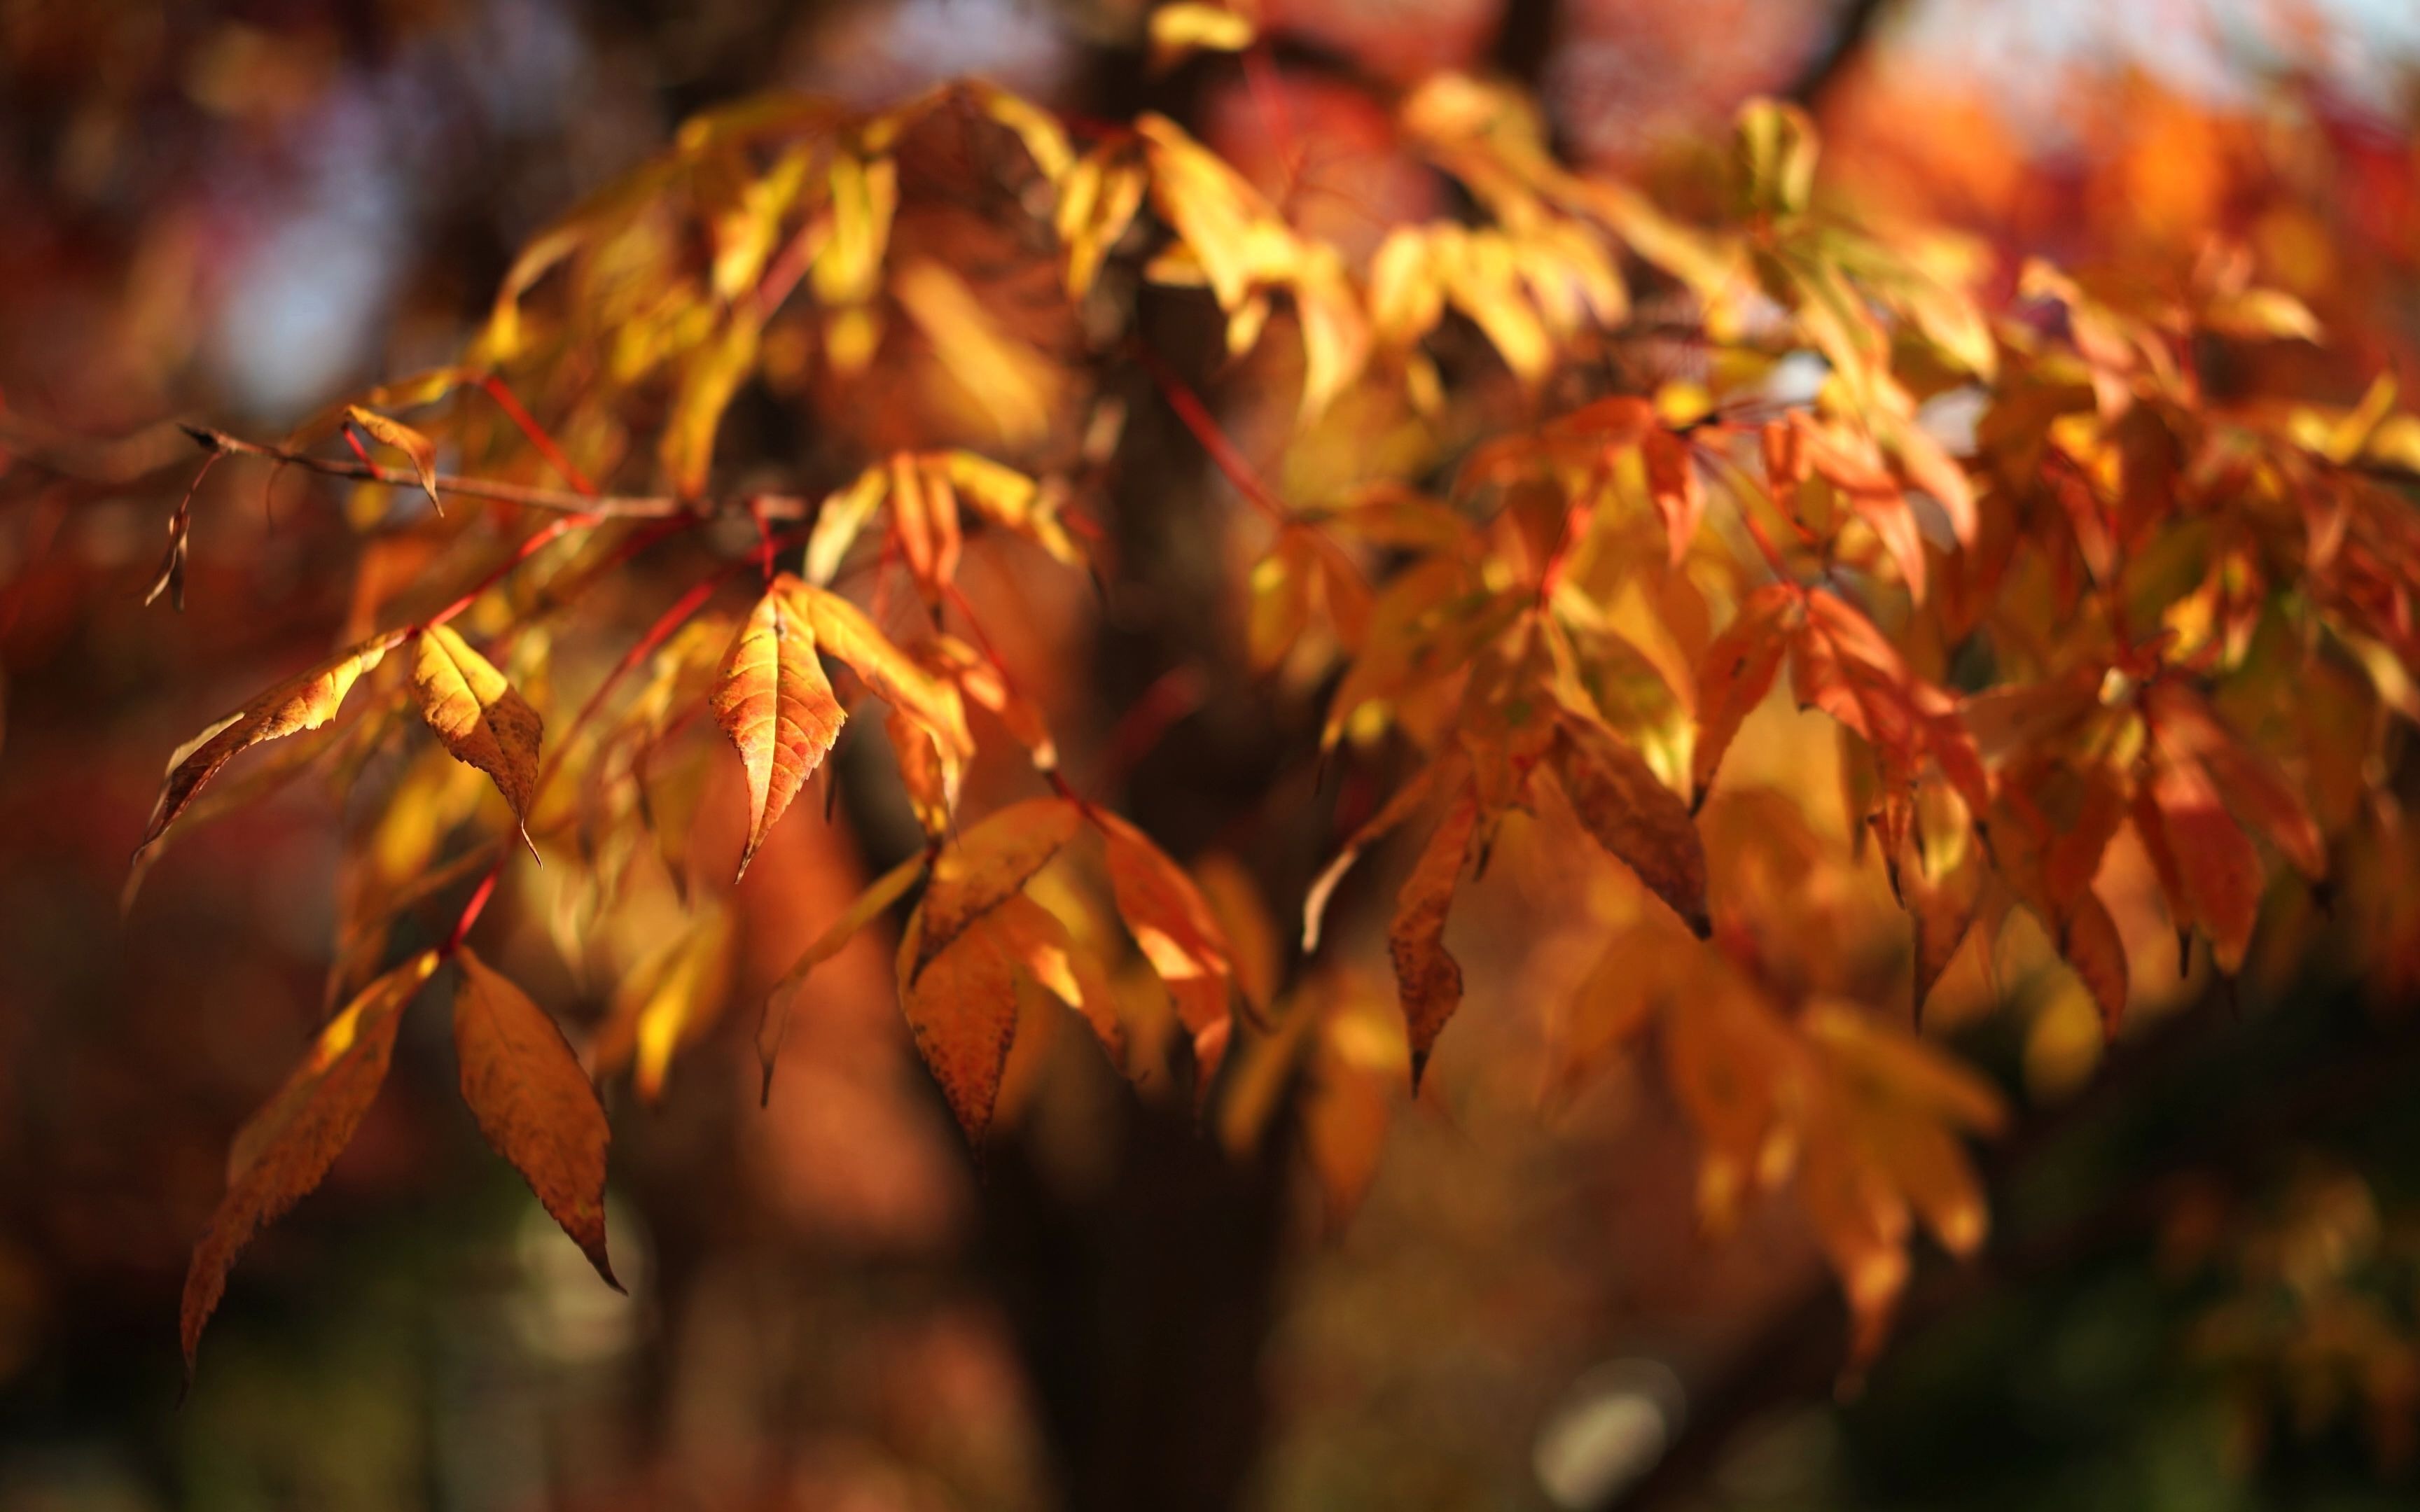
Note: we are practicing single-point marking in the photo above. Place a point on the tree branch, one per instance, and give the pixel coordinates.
(563, 501)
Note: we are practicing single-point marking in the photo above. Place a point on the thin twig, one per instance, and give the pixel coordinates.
(563, 501)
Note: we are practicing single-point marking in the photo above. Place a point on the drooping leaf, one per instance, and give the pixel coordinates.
(412, 443)
(1737, 673)
(1428, 979)
(772, 698)
(480, 716)
(960, 997)
(1673, 483)
(1629, 811)
(2216, 867)
(282, 1152)
(532, 1103)
(840, 630)
(1171, 922)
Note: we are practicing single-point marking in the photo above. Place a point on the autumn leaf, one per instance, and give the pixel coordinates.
(2211, 860)
(282, 1152)
(1673, 483)
(301, 703)
(2188, 731)
(669, 1000)
(1629, 811)
(532, 1103)
(1171, 922)
(990, 862)
(772, 698)
(478, 716)
(960, 997)
(1427, 978)
(1737, 673)
(839, 629)
(412, 443)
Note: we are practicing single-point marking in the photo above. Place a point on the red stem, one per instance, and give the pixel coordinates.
(519, 416)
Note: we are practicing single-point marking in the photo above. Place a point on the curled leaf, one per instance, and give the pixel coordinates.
(412, 443)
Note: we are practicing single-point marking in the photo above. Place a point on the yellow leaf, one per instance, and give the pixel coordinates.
(1187, 26)
(667, 1003)
(478, 716)
(1015, 385)
(708, 384)
(840, 520)
(772, 698)
(412, 445)
(301, 703)
(864, 196)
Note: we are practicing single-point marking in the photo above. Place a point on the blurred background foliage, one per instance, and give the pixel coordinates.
(2204, 1289)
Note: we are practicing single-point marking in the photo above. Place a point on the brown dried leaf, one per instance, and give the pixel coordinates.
(532, 1103)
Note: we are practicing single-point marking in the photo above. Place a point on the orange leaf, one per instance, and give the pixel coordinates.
(1642, 823)
(959, 996)
(1737, 673)
(1679, 493)
(1172, 923)
(773, 701)
(2217, 869)
(478, 716)
(1427, 978)
(2188, 729)
(1045, 952)
(282, 1152)
(989, 863)
(532, 1103)
(842, 631)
